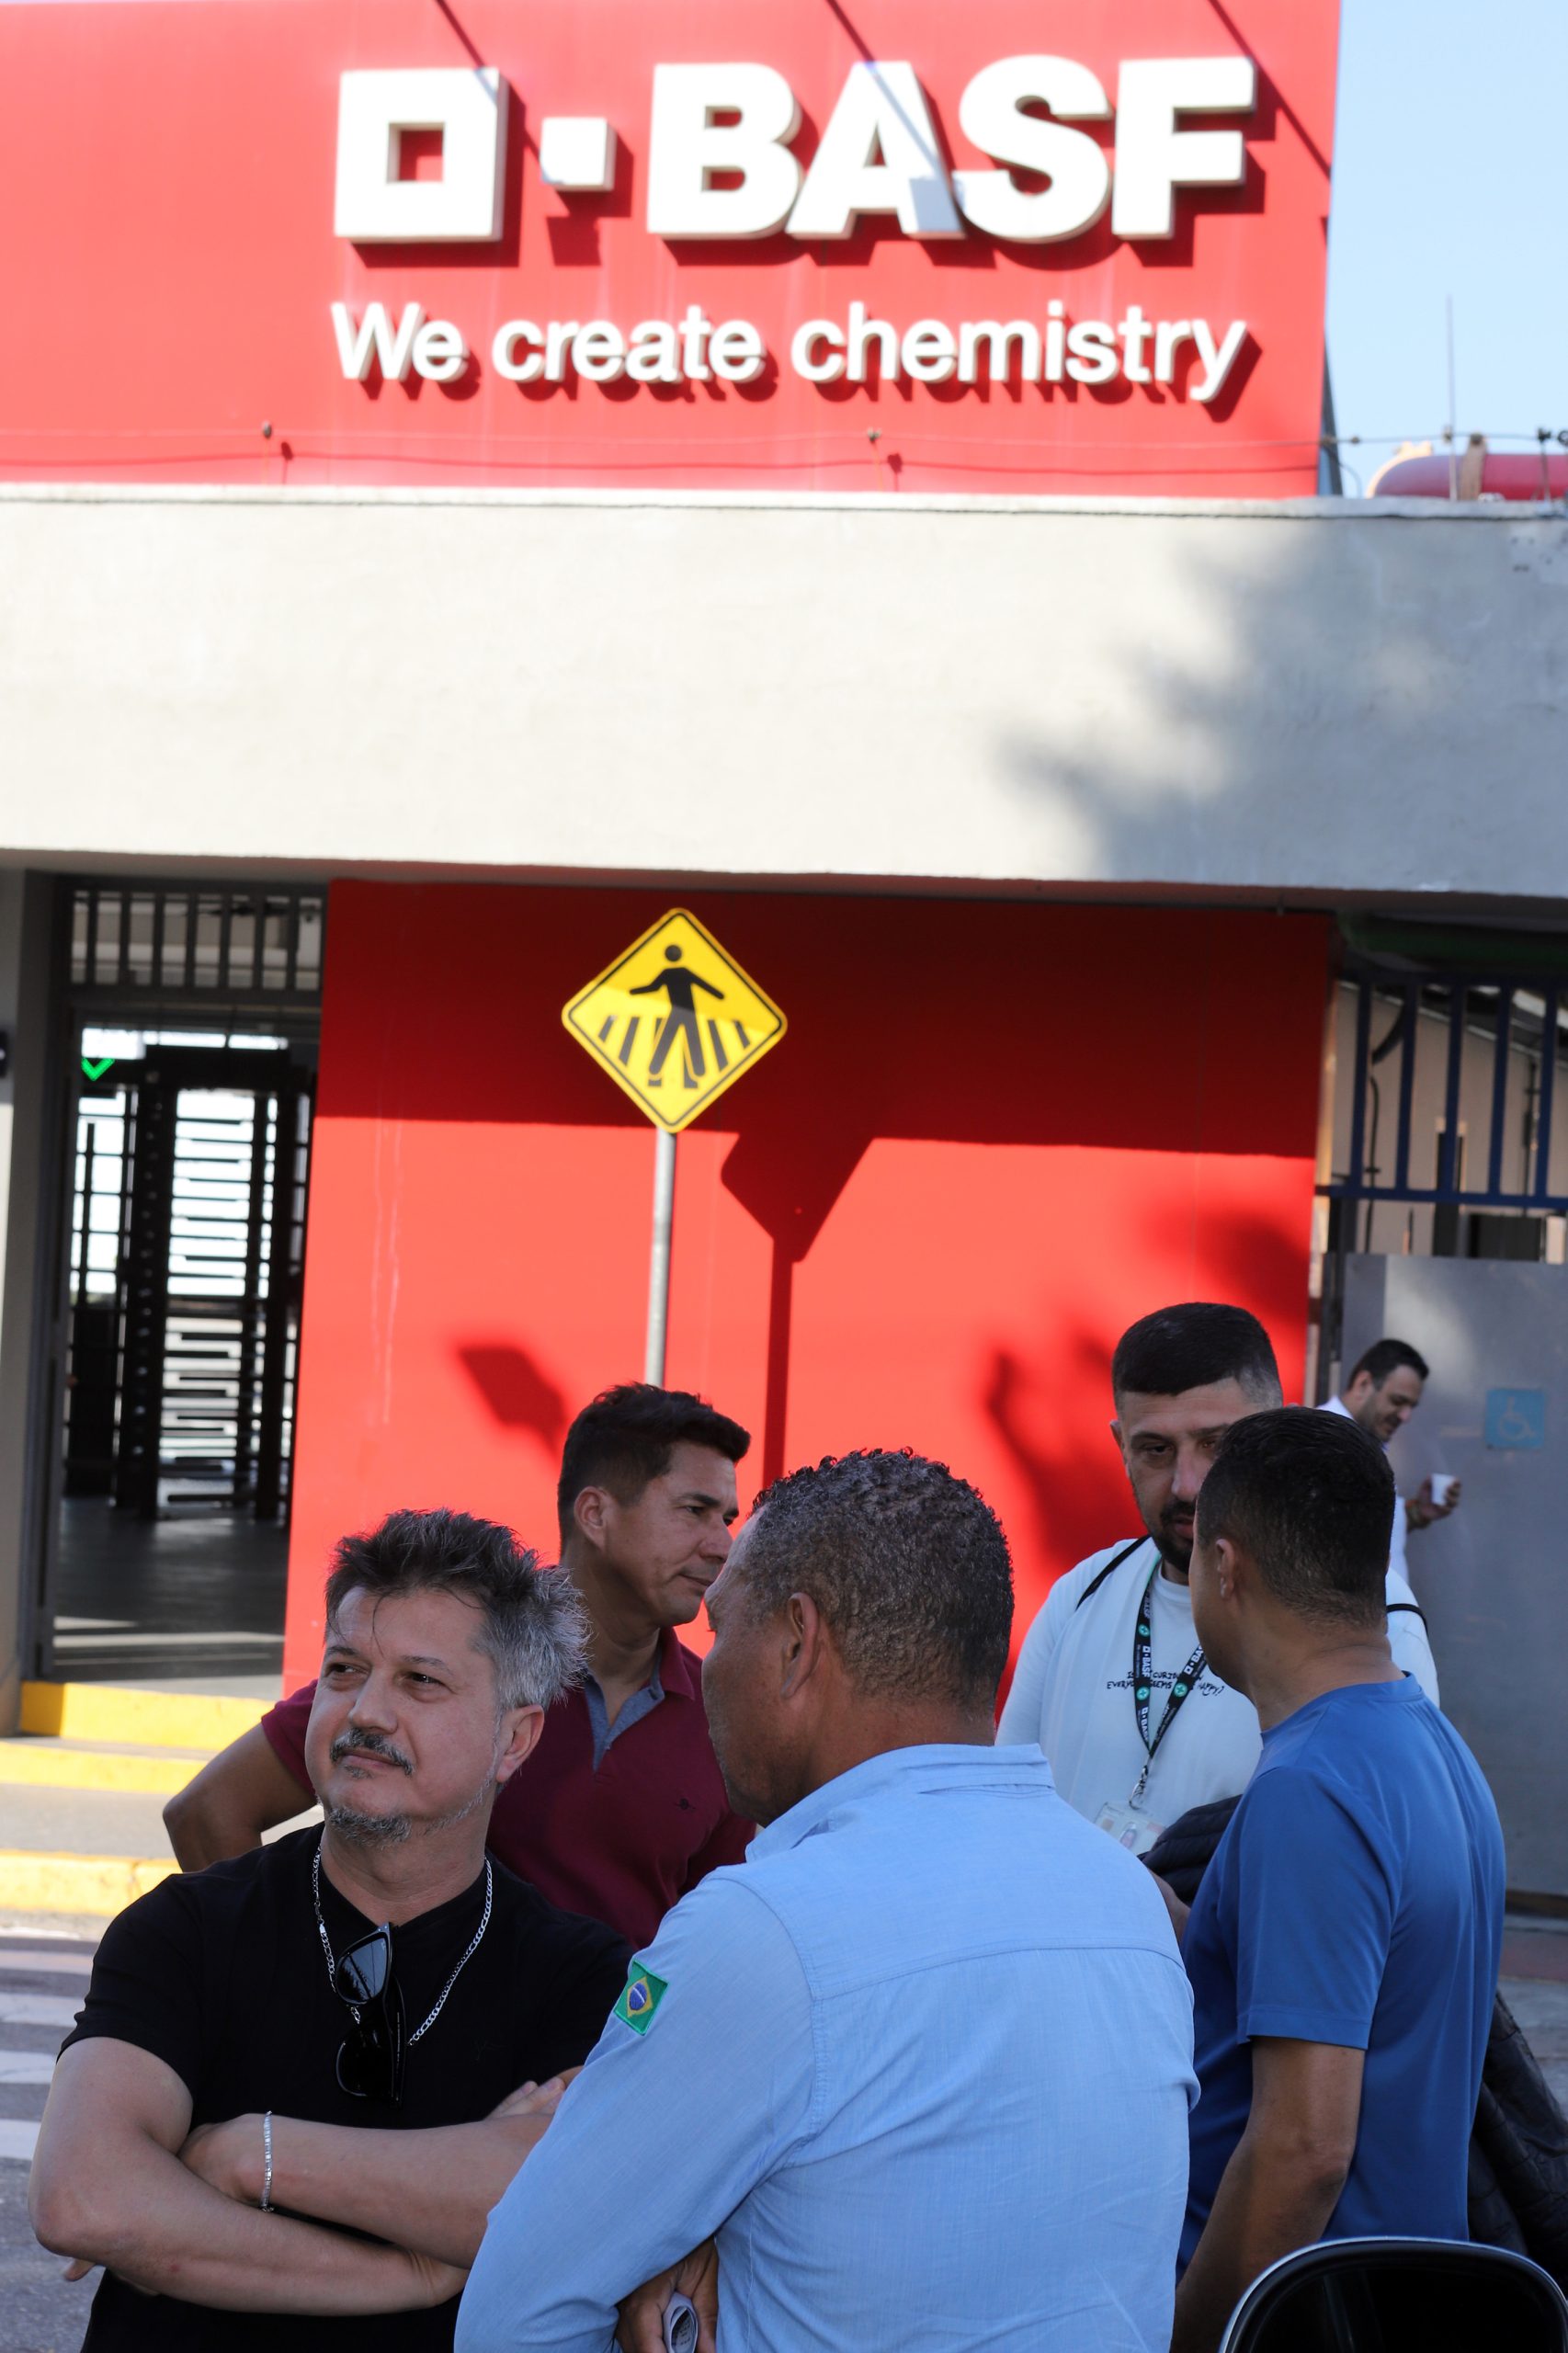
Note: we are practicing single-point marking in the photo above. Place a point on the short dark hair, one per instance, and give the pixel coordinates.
(1385, 1357)
(534, 1628)
(1308, 1496)
(906, 1562)
(628, 1436)
(1192, 1346)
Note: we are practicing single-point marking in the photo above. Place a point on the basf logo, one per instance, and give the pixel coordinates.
(883, 247)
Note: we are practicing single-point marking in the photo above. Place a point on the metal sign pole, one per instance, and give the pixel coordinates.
(659, 1256)
(716, 1022)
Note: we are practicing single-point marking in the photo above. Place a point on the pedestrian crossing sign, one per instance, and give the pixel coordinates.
(674, 1020)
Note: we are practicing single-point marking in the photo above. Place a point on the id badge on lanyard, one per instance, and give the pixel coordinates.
(1129, 1825)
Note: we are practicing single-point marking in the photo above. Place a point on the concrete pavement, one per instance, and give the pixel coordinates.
(44, 1976)
(83, 1788)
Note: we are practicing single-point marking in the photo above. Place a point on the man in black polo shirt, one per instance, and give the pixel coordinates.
(382, 1972)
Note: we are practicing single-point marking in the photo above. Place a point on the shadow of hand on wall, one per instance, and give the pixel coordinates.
(1237, 1253)
(1077, 1501)
(1076, 1504)
(1257, 1254)
(518, 1393)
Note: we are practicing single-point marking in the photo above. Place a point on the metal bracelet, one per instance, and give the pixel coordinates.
(267, 2205)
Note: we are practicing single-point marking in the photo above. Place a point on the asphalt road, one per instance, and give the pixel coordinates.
(43, 1979)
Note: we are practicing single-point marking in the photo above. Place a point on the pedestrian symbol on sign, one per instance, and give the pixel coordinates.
(674, 1020)
(715, 1023)
(681, 1021)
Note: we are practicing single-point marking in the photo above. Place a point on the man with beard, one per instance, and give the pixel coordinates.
(1112, 1680)
(339, 2014)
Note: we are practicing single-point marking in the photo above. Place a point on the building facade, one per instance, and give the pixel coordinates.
(999, 695)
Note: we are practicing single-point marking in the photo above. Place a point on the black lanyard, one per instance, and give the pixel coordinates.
(1142, 1662)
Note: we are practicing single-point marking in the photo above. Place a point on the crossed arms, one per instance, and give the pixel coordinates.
(110, 2186)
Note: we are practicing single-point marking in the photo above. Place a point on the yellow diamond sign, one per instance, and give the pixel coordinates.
(674, 1020)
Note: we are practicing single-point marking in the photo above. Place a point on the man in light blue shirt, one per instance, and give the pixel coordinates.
(921, 2065)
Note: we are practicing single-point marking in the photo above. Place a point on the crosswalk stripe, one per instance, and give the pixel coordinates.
(39, 2009)
(20, 1961)
(27, 2066)
(17, 2141)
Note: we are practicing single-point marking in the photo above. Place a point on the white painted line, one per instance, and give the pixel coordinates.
(39, 2009)
(23, 1961)
(167, 1640)
(17, 2141)
(27, 2066)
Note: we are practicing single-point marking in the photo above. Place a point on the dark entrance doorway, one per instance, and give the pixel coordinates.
(180, 1380)
(187, 1182)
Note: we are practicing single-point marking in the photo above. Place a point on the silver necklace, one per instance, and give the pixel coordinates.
(473, 1947)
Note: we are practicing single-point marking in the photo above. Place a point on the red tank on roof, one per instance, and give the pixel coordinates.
(1525, 476)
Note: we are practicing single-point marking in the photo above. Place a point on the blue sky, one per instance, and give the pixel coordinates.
(1451, 176)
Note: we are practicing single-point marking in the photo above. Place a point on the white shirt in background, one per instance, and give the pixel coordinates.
(1073, 1692)
(1400, 1517)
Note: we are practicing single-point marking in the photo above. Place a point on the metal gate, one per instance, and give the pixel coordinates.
(200, 1004)
(255, 947)
(180, 1364)
(1450, 1117)
(1449, 1155)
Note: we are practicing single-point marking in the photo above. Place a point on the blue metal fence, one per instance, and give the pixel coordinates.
(1515, 1024)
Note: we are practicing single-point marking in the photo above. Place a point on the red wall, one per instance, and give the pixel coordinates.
(993, 1135)
(166, 186)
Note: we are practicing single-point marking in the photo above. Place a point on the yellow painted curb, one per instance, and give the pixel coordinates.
(98, 1885)
(152, 1719)
(23, 1764)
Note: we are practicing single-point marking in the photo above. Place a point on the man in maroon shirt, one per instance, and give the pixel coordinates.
(621, 1808)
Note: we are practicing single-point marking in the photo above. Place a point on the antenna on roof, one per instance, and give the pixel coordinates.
(1449, 429)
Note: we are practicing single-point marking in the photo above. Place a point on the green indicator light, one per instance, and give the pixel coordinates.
(96, 1070)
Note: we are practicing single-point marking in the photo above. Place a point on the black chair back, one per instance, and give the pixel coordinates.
(1400, 2296)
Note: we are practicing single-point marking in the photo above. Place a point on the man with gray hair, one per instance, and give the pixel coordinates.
(310, 2033)
(917, 2073)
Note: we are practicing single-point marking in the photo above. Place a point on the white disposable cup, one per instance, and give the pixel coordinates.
(1441, 1481)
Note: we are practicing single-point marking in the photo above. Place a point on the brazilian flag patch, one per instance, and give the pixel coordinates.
(640, 1998)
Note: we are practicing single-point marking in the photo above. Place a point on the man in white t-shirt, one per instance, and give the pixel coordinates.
(1383, 1390)
(1111, 1680)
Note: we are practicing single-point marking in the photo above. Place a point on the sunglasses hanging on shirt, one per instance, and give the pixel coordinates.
(371, 2056)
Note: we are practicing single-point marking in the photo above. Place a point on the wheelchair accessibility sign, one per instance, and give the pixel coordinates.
(1515, 1417)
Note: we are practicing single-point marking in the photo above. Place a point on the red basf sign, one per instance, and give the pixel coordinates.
(886, 245)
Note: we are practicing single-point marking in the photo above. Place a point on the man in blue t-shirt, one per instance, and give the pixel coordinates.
(1343, 1947)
